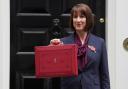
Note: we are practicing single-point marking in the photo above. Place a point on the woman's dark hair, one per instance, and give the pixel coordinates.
(84, 10)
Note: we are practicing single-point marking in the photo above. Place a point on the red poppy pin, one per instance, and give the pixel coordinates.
(92, 48)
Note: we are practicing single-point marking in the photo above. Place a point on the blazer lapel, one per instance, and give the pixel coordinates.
(89, 51)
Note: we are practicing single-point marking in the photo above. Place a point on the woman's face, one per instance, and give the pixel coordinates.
(79, 22)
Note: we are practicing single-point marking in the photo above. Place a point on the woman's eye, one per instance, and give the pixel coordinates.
(82, 16)
(74, 16)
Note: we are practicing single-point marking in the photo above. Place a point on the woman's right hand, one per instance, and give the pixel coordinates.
(55, 42)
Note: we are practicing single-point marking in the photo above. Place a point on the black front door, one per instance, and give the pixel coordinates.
(36, 22)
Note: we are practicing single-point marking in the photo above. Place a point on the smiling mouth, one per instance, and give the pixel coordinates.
(78, 25)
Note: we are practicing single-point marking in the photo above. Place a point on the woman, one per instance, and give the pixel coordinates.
(92, 55)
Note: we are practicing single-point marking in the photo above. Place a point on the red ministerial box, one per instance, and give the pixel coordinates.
(56, 61)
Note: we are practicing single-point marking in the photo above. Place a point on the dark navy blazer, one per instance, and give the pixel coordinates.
(95, 75)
